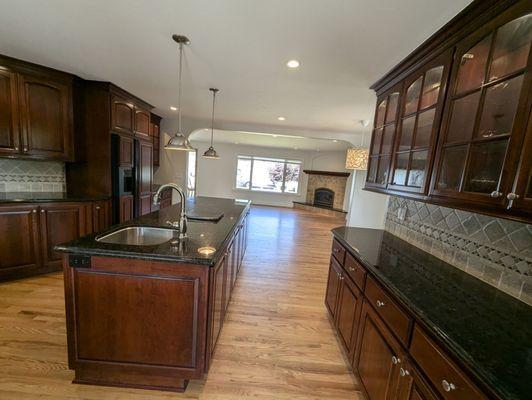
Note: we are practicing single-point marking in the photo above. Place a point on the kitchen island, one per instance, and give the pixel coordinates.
(148, 315)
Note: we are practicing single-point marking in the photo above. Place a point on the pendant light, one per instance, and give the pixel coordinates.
(210, 152)
(179, 140)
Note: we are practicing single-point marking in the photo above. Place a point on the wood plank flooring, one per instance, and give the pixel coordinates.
(277, 342)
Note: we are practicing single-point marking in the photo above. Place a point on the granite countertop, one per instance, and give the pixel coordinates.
(487, 330)
(200, 233)
(43, 197)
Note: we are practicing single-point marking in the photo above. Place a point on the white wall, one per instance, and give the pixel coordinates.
(217, 177)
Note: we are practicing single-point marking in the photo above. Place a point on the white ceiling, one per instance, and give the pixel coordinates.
(269, 140)
(239, 46)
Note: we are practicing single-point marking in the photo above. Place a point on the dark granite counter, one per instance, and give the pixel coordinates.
(200, 233)
(43, 197)
(488, 331)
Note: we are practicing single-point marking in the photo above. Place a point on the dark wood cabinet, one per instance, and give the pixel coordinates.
(127, 152)
(348, 311)
(9, 119)
(122, 115)
(465, 100)
(142, 123)
(101, 215)
(218, 303)
(144, 178)
(155, 131)
(59, 223)
(413, 385)
(378, 357)
(333, 287)
(20, 244)
(126, 208)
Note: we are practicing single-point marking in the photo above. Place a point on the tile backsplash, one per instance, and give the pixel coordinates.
(495, 250)
(32, 176)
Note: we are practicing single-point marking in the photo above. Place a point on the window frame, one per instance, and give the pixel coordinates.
(285, 162)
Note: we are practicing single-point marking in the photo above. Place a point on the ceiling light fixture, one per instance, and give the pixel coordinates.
(210, 152)
(173, 108)
(179, 140)
(292, 64)
(281, 118)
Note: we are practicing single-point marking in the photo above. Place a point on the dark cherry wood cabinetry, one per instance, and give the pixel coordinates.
(142, 123)
(464, 115)
(144, 178)
(393, 357)
(122, 114)
(127, 152)
(36, 111)
(155, 132)
(126, 205)
(29, 232)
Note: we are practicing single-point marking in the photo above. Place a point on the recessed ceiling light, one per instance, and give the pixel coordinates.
(292, 64)
(335, 141)
(274, 135)
(173, 108)
(281, 118)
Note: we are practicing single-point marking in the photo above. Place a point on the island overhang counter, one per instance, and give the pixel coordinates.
(149, 316)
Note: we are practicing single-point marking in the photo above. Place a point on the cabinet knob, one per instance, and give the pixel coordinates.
(380, 303)
(404, 372)
(98, 207)
(512, 196)
(42, 211)
(336, 250)
(16, 148)
(352, 269)
(495, 194)
(395, 360)
(35, 211)
(24, 149)
(448, 386)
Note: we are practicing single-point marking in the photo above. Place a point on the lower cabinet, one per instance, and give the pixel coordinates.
(101, 215)
(126, 208)
(393, 357)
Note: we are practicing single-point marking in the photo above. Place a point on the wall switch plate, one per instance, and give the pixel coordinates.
(401, 213)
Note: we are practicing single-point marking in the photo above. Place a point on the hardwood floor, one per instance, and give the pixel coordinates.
(277, 342)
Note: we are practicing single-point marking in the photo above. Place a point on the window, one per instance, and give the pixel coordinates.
(191, 173)
(268, 174)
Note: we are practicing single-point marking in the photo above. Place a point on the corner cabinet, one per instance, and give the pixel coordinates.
(463, 124)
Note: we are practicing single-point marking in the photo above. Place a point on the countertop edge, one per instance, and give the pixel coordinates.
(455, 350)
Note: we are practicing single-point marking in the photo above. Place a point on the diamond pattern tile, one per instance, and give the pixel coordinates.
(32, 176)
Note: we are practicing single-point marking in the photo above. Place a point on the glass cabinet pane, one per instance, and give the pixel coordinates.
(412, 97)
(377, 138)
(407, 131)
(382, 171)
(499, 108)
(431, 87)
(485, 167)
(393, 100)
(512, 45)
(381, 110)
(473, 66)
(424, 128)
(452, 166)
(463, 115)
(372, 171)
(387, 139)
(416, 176)
(401, 167)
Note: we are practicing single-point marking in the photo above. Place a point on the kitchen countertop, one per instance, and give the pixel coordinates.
(487, 330)
(44, 197)
(200, 233)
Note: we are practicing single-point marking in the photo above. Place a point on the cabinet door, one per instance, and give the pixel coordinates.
(60, 222)
(155, 132)
(101, 215)
(229, 267)
(46, 118)
(145, 168)
(122, 114)
(19, 247)
(349, 306)
(145, 204)
(217, 296)
(383, 137)
(9, 120)
(333, 286)
(379, 357)
(126, 152)
(486, 112)
(418, 126)
(142, 123)
(413, 386)
(126, 208)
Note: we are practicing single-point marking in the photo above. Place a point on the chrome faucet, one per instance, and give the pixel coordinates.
(182, 224)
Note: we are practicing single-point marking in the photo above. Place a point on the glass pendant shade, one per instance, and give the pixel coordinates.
(179, 142)
(211, 153)
(357, 158)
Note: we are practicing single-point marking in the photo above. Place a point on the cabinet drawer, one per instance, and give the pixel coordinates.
(398, 321)
(355, 270)
(447, 378)
(338, 251)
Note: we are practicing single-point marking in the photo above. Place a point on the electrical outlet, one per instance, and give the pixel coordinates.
(401, 213)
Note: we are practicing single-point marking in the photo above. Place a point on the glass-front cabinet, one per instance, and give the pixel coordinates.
(486, 114)
(418, 126)
(382, 141)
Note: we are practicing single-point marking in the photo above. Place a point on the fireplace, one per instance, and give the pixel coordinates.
(324, 197)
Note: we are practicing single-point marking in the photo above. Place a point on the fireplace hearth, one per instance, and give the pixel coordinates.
(323, 197)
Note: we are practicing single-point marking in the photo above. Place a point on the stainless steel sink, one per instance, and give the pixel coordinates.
(139, 236)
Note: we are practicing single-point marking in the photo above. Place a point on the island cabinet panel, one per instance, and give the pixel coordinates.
(413, 385)
(19, 247)
(348, 311)
(216, 312)
(333, 287)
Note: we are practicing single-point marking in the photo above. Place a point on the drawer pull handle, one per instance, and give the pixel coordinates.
(395, 360)
(380, 303)
(404, 372)
(512, 196)
(448, 386)
(352, 269)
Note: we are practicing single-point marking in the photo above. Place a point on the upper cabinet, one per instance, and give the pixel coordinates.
(36, 112)
(463, 124)
(122, 114)
(142, 123)
(129, 114)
